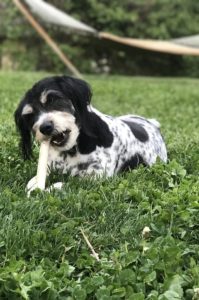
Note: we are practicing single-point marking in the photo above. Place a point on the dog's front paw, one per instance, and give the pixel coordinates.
(57, 186)
(32, 185)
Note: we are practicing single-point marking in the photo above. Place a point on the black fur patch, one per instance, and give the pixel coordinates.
(132, 163)
(72, 152)
(83, 166)
(101, 135)
(138, 131)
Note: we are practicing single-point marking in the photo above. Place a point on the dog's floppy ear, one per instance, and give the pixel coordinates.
(21, 114)
(79, 93)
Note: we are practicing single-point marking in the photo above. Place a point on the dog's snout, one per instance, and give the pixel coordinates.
(47, 128)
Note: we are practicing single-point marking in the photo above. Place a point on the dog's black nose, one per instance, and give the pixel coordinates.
(46, 128)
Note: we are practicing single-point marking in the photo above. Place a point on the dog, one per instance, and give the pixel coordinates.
(84, 141)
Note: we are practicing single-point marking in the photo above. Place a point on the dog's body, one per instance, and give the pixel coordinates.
(84, 141)
(133, 141)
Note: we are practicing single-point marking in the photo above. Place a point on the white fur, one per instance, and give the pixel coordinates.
(27, 110)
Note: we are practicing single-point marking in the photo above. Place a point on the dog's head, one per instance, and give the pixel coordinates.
(56, 109)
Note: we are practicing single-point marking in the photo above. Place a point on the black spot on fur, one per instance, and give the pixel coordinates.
(138, 131)
(72, 152)
(82, 166)
(96, 166)
(132, 163)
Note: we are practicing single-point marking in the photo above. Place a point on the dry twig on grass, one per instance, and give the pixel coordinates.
(94, 254)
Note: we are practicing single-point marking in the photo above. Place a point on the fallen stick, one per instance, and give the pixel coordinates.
(42, 165)
(94, 254)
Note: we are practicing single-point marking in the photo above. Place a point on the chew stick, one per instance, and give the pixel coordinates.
(42, 165)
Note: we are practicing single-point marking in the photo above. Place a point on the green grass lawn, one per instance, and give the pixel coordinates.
(43, 254)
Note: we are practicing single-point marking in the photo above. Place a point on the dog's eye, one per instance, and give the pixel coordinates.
(53, 99)
(50, 99)
(57, 102)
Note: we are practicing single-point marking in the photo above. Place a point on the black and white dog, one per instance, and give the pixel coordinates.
(83, 140)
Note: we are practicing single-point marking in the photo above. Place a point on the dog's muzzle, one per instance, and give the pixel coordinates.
(56, 138)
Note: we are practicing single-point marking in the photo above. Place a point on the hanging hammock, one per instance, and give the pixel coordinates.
(50, 14)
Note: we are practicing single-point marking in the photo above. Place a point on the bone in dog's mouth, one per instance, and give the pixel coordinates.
(60, 138)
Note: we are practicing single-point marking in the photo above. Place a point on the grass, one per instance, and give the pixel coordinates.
(43, 254)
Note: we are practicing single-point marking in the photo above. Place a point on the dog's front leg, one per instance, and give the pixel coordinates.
(91, 171)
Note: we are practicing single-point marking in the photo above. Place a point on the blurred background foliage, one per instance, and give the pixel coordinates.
(22, 49)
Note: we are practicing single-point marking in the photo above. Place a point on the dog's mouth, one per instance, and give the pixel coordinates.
(60, 138)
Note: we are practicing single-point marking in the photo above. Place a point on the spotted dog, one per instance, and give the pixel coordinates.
(84, 141)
